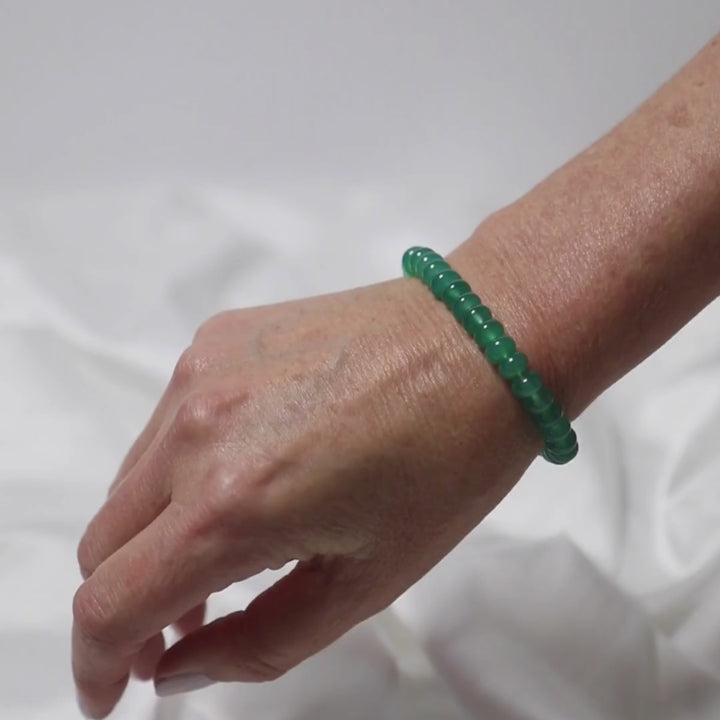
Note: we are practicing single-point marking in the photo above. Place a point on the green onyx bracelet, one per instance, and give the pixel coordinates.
(526, 385)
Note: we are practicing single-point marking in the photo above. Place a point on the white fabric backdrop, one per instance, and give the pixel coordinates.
(591, 592)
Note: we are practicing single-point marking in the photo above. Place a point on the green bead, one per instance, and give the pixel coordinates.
(513, 366)
(423, 260)
(408, 260)
(454, 292)
(464, 305)
(419, 258)
(550, 456)
(556, 429)
(538, 401)
(526, 384)
(560, 458)
(500, 349)
(475, 318)
(547, 414)
(564, 444)
(491, 330)
(442, 282)
(432, 270)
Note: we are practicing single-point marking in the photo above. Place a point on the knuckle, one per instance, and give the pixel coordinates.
(202, 413)
(199, 413)
(238, 521)
(260, 666)
(222, 491)
(191, 365)
(91, 618)
(229, 507)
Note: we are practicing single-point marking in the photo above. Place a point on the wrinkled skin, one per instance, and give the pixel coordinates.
(344, 432)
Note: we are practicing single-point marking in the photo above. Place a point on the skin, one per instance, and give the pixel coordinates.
(362, 434)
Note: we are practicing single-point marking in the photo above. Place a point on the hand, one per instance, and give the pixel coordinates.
(360, 434)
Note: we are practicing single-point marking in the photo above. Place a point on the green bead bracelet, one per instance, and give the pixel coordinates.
(526, 385)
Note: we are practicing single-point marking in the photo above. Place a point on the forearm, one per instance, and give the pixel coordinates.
(607, 258)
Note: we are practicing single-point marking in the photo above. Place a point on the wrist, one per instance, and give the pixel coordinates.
(501, 265)
(464, 394)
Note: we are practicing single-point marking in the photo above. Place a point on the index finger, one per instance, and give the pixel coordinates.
(154, 579)
(159, 417)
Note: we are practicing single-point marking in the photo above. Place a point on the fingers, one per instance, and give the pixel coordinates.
(190, 369)
(158, 420)
(142, 443)
(151, 581)
(141, 489)
(131, 508)
(146, 660)
(298, 616)
(191, 620)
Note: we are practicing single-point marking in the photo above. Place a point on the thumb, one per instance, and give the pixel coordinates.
(316, 603)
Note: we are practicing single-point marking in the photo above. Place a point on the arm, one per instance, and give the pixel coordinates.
(606, 259)
(363, 435)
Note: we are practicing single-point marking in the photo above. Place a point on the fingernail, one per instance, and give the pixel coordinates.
(176, 684)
